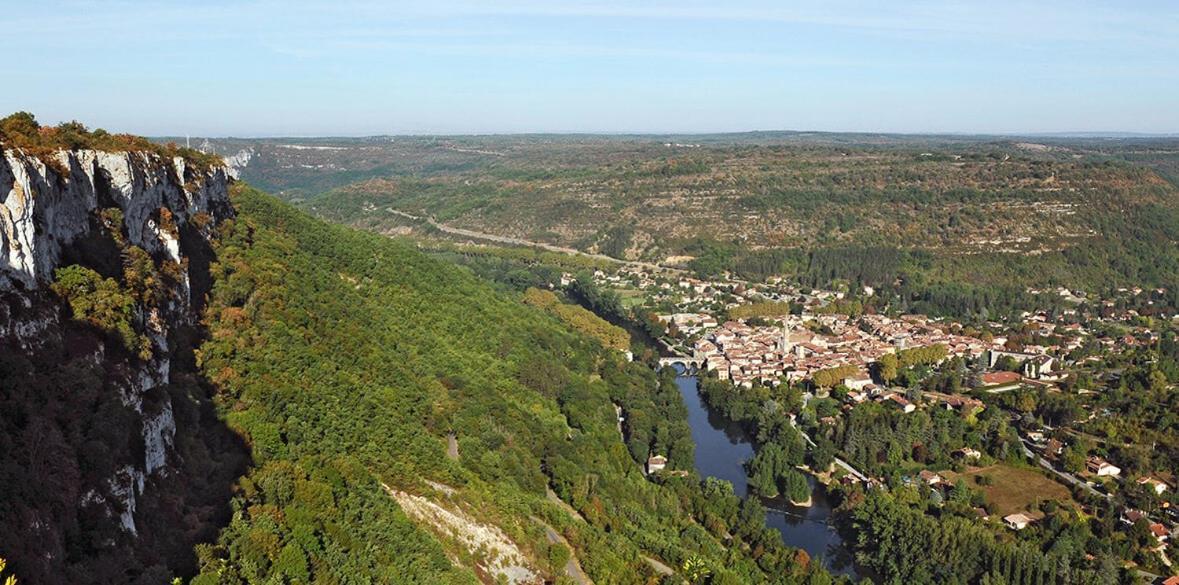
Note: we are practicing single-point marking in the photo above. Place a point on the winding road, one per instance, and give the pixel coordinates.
(521, 242)
(572, 567)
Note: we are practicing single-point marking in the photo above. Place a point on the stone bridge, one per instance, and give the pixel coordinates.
(686, 362)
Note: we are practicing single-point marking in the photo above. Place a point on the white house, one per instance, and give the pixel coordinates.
(656, 463)
(901, 403)
(1158, 486)
(1101, 467)
(930, 477)
(1017, 521)
(857, 381)
(1159, 532)
(968, 453)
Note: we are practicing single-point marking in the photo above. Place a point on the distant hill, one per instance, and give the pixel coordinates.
(1001, 211)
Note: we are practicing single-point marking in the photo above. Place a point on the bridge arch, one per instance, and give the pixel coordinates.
(689, 364)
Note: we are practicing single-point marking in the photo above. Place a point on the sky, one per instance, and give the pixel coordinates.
(357, 67)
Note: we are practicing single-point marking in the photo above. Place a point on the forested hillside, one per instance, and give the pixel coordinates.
(347, 360)
(934, 212)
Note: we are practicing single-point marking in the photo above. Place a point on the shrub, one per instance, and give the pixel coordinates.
(21, 130)
(102, 303)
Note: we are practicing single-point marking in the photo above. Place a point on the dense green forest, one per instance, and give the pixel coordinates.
(347, 359)
(904, 543)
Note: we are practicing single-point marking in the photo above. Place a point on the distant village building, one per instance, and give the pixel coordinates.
(656, 463)
(858, 381)
(1053, 448)
(901, 402)
(1000, 381)
(1158, 486)
(1131, 516)
(1101, 467)
(1017, 521)
(931, 478)
(1159, 532)
(968, 454)
(1033, 365)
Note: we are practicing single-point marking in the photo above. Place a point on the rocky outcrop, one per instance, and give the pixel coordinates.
(42, 212)
(236, 163)
(61, 210)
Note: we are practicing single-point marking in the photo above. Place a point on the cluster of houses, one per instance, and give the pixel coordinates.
(697, 301)
(1161, 532)
(795, 347)
(662, 283)
(690, 324)
(1052, 449)
(802, 345)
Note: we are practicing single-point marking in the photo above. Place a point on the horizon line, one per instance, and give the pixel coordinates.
(1112, 134)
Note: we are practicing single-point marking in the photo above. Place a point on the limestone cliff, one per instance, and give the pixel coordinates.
(89, 425)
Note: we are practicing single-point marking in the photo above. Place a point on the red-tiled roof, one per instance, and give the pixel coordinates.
(992, 378)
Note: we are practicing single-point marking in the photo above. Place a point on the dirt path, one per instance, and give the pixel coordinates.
(659, 567)
(452, 447)
(572, 567)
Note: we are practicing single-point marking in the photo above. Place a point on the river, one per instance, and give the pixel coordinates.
(722, 447)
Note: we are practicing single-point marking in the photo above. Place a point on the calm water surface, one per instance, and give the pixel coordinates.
(722, 447)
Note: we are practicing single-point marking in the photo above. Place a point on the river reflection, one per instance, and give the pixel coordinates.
(722, 448)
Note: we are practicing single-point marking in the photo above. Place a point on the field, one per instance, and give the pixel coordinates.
(630, 297)
(1013, 489)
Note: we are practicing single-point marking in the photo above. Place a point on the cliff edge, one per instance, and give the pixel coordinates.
(104, 263)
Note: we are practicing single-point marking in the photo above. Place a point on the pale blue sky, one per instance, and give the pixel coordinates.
(351, 67)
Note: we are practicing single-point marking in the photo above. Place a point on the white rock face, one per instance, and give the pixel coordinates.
(42, 214)
(238, 162)
(124, 486)
(158, 432)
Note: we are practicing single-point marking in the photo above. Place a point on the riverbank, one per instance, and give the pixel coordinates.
(723, 447)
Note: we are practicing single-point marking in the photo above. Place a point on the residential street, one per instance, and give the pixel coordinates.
(1046, 464)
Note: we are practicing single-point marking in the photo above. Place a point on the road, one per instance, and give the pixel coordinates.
(572, 567)
(845, 465)
(554, 498)
(521, 242)
(1068, 477)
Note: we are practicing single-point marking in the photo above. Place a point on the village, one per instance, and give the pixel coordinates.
(770, 334)
(723, 326)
